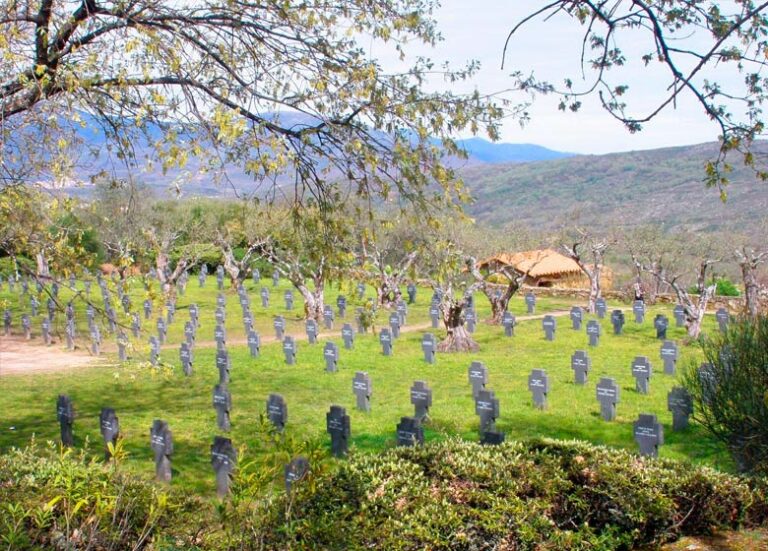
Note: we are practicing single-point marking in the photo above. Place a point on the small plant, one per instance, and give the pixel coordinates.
(730, 393)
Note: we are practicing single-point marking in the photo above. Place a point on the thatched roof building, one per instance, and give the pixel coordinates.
(544, 268)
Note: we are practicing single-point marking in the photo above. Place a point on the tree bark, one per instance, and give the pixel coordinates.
(457, 338)
(314, 302)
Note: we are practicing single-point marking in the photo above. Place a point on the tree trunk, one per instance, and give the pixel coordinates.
(500, 303)
(388, 292)
(42, 266)
(694, 313)
(457, 338)
(751, 289)
(594, 290)
(313, 301)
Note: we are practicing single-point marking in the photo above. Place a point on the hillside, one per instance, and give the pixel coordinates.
(662, 186)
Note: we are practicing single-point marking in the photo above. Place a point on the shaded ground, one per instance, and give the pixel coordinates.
(19, 356)
(746, 540)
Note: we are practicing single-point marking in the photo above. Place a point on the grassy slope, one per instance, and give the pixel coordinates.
(140, 394)
(662, 186)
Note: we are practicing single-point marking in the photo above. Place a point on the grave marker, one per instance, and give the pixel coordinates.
(295, 471)
(394, 324)
(530, 302)
(147, 309)
(421, 398)
(337, 424)
(429, 347)
(660, 323)
(649, 434)
(161, 441)
(348, 335)
(26, 325)
(679, 313)
(411, 293)
(680, 403)
(289, 350)
(264, 297)
(470, 317)
(608, 396)
(223, 365)
(222, 403)
(185, 356)
(311, 329)
(385, 338)
(601, 307)
(65, 414)
(331, 355)
(361, 386)
(223, 461)
(641, 371)
(549, 324)
(328, 316)
(508, 321)
(279, 325)
(638, 309)
(277, 411)
(577, 315)
(478, 377)
(254, 343)
(487, 407)
(669, 356)
(434, 314)
(275, 278)
(580, 364)
(402, 310)
(593, 332)
(617, 320)
(538, 384)
(110, 429)
(410, 432)
(341, 304)
(722, 318)
(288, 296)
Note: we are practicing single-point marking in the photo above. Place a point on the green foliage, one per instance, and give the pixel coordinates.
(204, 252)
(726, 288)
(732, 402)
(8, 267)
(545, 494)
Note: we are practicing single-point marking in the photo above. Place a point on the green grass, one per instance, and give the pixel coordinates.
(140, 394)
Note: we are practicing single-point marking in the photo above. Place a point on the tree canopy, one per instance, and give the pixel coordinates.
(283, 90)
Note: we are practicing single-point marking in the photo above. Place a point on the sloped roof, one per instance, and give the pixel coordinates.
(538, 263)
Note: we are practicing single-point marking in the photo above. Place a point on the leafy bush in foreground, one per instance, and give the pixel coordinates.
(543, 494)
(731, 396)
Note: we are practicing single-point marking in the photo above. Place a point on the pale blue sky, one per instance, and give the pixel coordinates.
(478, 29)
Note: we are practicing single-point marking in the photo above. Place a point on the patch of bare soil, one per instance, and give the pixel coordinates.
(21, 357)
(745, 540)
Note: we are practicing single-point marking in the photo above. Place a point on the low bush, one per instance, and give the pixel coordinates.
(731, 395)
(542, 494)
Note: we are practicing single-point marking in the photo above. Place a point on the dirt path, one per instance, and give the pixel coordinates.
(19, 356)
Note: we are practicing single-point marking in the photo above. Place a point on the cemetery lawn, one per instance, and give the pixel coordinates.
(140, 394)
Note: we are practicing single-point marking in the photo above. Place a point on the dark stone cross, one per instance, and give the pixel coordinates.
(147, 309)
(360, 290)
(680, 403)
(708, 379)
(402, 310)
(279, 325)
(277, 411)
(96, 341)
(530, 302)
(65, 414)
(348, 335)
(649, 434)
(341, 304)
(254, 343)
(549, 324)
(338, 426)
(275, 278)
(538, 384)
(220, 315)
(508, 321)
(679, 313)
(429, 347)
(411, 293)
(421, 398)
(223, 461)
(311, 329)
(70, 334)
(617, 320)
(478, 377)
(26, 325)
(722, 318)
(660, 323)
(581, 364)
(189, 333)
(638, 309)
(45, 328)
(222, 403)
(385, 338)
(289, 349)
(110, 429)
(296, 471)
(487, 408)
(223, 365)
(264, 297)
(641, 371)
(161, 330)
(601, 308)
(288, 296)
(361, 386)
(185, 356)
(161, 441)
(593, 332)
(410, 432)
(608, 396)
(577, 315)
(394, 324)
(331, 355)
(135, 325)
(434, 314)
(256, 276)
(669, 356)
(470, 317)
(328, 316)
(122, 346)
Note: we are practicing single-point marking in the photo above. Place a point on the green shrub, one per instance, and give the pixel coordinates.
(732, 401)
(7, 266)
(726, 288)
(543, 494)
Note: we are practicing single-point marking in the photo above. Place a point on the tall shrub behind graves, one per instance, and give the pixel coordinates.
(732, 401)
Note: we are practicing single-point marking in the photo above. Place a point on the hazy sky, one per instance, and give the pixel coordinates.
(478, 29)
